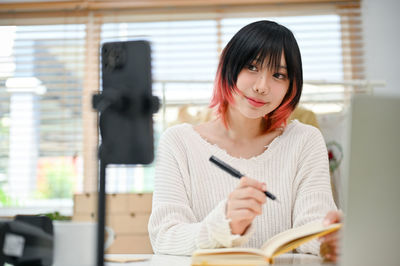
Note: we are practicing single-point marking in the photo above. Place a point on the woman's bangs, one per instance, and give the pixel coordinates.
(268, 55)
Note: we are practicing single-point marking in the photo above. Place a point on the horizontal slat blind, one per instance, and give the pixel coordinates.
(38, 156)
(185, 49)
(319, 39)
(62, 51)
(352, 42)
(181, 49)
(55, 55)
(328, 36)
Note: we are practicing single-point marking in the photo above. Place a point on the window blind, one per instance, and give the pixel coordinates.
(62, 51)
(185, 49)
(41, 120)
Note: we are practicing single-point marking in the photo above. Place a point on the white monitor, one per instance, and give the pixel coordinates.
(372, 213)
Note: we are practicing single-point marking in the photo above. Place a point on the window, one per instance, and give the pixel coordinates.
(47, 131)
(41, 114)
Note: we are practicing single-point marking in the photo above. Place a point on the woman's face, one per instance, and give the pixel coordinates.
(261, 90)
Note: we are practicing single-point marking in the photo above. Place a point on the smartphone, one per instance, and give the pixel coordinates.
(126, 123)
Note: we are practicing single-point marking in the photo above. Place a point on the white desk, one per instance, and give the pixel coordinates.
(167, 260)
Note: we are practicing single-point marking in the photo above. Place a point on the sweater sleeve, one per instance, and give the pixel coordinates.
(173, 226)
(312, 188)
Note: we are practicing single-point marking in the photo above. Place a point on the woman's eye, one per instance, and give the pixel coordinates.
(252, 68)
(279, 76)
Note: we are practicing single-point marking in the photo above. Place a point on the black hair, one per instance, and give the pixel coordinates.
(260, 41)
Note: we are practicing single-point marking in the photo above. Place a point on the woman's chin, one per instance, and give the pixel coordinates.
(248, 112)
(252, 115)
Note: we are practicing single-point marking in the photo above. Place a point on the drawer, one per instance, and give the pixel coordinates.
(130, 244)
(129, 224)
(140, 202)
(124, 203)
(117, 203)
(85, 203)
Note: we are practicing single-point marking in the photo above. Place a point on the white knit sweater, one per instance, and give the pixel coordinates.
(190, 192)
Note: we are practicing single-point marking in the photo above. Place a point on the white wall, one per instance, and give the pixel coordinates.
(381, 31)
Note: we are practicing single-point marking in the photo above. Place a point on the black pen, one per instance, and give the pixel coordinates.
(229, 169)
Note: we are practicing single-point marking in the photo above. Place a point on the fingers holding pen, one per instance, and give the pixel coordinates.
(245, 203)
(249, 187)
(250, 182)
(250, 204)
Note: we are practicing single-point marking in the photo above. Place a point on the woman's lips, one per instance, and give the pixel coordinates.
(254, 102)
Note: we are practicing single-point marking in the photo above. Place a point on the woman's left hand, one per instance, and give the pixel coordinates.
(329, 249)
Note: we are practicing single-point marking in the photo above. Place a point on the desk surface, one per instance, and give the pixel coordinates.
(167, 260)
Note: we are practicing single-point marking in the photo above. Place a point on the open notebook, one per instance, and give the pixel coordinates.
(279, 244)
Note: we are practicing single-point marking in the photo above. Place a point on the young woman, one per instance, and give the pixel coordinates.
(197, 205)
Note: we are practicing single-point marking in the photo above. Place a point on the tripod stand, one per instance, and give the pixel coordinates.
(126, 108)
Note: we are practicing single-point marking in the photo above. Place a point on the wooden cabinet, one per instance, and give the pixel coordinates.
(131, 243)
(127, 214)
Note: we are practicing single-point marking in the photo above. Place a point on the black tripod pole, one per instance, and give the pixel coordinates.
(126, 104)
(101, 213)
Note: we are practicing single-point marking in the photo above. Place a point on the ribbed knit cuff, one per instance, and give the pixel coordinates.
(219, 230)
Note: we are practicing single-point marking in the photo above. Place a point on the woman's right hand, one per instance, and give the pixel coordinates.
(245, 203)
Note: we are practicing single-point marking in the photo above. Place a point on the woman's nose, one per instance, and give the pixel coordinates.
(261, 86)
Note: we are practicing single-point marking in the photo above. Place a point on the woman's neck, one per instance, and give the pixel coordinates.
(241, 128)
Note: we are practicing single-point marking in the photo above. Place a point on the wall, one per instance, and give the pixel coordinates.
(381, 32)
